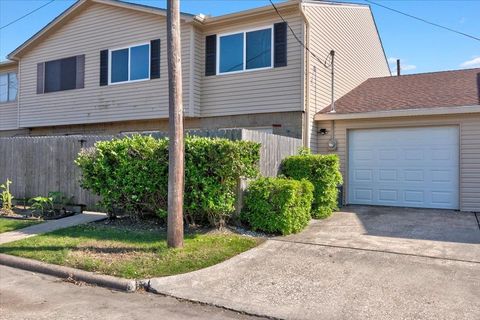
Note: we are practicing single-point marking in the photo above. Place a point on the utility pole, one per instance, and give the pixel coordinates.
(176, 148)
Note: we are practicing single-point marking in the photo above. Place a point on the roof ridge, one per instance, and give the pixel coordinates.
(426, 73)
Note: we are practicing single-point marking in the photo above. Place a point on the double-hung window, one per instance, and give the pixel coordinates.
(245, 51)
(129, 64)
(8, 87)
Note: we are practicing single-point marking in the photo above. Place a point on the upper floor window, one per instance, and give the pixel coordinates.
(8, 87)
(245, 51)
(130, 64)
(61, 74)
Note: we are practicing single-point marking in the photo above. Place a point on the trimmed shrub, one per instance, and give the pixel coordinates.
(277, 205)
(323, 171)
(131, 174)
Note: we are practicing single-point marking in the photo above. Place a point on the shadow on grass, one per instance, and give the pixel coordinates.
(106, 233)
(92, 249)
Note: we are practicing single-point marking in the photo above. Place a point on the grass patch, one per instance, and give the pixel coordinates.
(128, 253)
(7, 225)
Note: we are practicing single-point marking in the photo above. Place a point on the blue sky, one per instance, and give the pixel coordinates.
(421, 47)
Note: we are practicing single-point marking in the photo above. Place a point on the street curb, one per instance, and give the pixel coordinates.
(69, 273)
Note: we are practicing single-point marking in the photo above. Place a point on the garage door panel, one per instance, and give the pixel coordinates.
(404, 167)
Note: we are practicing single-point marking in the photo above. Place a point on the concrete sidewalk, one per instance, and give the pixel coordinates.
(50, 226)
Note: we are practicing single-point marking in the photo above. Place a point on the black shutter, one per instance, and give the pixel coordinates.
(80, 80)
(40, 77)
(104, 67)
(155, 59)
(211, 55)
(280, 44)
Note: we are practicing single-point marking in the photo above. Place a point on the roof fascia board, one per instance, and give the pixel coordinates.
(8, 63)
(142, 8)
(250, 13)
(399, 113)
(334, 3)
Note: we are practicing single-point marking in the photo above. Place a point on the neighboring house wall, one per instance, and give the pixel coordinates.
(95, 28)
(469, 146)
(291, 125)
(8, 110)
(351, 32)
(256, 91)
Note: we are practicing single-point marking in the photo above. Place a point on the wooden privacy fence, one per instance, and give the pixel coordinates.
(39, 165)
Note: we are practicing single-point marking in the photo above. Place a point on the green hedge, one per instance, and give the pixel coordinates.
(323, 171)
(277, 205)
(131, 174)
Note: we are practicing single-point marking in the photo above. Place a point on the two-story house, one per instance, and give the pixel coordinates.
(101, 68)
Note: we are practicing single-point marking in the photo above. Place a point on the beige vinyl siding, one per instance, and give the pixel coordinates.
(257, 91)
(351, 32)
(469, 146)
(92, 29)
(199, 69)
(8, 116)
(9, 110)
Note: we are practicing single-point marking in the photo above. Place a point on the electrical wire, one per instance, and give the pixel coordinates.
(324, 63)
(423, 20)
(26, 15)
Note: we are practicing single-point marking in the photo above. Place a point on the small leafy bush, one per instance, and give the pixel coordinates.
(131, 174)
(277, 205)
(41, 206)
(323, 171)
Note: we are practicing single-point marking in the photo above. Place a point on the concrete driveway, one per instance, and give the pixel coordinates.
(425, 232)
(362, 263)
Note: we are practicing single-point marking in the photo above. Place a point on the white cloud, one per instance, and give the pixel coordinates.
(392, 60)
(404, 67)
(408, 67)
(473, 63)
(462, 20)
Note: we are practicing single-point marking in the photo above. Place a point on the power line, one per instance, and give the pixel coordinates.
(324, 63)
(423, 20)
(26, 15)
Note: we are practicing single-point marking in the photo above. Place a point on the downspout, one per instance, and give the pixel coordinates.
(306, 80)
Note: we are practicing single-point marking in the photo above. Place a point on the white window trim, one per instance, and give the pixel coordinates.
(8, 87)
(110, 83)
(244, 32)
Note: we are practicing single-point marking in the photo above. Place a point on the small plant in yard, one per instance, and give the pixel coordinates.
(59, 198)
(323, 171)
(277, 205)
(42, 206)
(6, 197)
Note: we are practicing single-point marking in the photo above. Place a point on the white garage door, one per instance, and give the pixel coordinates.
(408, 167)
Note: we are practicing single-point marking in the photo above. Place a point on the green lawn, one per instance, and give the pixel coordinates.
(128, 253)
(13, 224)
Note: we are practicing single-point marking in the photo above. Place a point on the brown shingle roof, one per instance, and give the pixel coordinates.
(424, 90)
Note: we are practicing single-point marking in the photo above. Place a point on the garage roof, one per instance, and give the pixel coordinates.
(417, 91)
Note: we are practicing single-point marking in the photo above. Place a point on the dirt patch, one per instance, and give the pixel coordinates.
(132, 224)
(107, 252)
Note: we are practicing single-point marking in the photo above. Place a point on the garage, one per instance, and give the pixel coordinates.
(407, 167)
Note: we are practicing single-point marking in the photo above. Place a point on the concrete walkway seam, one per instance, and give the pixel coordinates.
(375, 250)
(69, 273)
